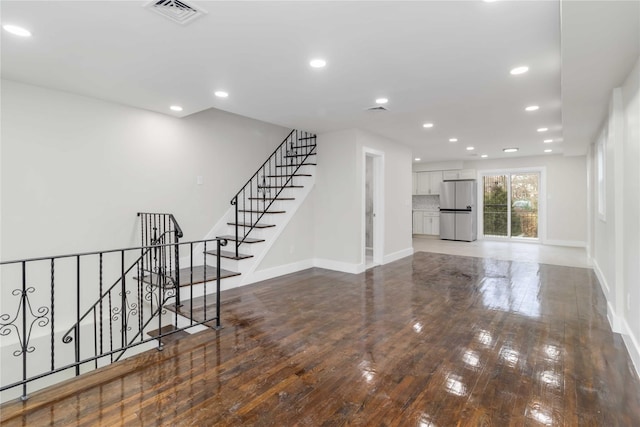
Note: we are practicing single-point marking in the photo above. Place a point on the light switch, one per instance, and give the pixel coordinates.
(199, 180)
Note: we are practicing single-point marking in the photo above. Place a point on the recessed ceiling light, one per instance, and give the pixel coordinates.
(318, 63)
(427, 125)
(532, 108)
(484, 156)
(546, 141)
(221, 94)
(417, 159)
(543, 129)
(17, 31)
(382, 101)
(453, 139)
(176, 108)
(519, 70)
(548, 150)
(470, 148)
(509, 150)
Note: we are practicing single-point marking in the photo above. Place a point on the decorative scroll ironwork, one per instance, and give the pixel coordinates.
(129, 309)
(9, 324)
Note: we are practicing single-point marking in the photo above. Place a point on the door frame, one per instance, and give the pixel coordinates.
(542, 203)
(378, 206)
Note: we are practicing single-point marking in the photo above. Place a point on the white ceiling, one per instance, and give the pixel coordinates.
(445, 62)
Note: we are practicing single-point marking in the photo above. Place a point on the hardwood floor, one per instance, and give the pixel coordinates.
(429, 340)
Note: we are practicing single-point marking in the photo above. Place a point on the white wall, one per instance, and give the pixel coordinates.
(397, 192)
(616, 238)
(339, 195)
(75, 170)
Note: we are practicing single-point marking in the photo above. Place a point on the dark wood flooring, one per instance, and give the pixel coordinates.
(429, 340)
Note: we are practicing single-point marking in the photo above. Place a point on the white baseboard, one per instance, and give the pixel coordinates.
(345, 267)
(397, 255)
(281, 270)
(570, 243)
(603, 282)
(633, 347)
(612, 317)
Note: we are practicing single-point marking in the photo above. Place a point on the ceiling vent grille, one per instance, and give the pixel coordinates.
(377, 108)
(176, 10)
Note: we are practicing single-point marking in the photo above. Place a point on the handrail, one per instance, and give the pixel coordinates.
(284, 158)
(262, 165)
(48, 296)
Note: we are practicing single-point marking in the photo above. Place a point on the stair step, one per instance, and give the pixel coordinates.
(296, 164)
(229, 255)
(198, 275)
(279, 186)
(246, 239)
(259, 212)
(300, 155)
(307, 137)
(168, 329)
(285, 176)
(246, 224)
(271, 198)
(303, 146)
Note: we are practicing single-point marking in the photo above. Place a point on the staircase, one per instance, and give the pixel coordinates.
(258, 214)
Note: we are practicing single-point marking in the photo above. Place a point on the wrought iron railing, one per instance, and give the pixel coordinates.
(57, 316)
(162, 228)
(263, 188)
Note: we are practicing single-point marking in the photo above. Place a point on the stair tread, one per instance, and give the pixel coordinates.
(284, 176)
(246, 239)
(300, 155)
(266, 212)
(280, 186)
(271, 198)
(168, 329)
(307, 137)
(198, 275)
(296, 164)
(248, 224)
(229, 255)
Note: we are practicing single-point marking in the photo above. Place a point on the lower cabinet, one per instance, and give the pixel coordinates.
(426, 223)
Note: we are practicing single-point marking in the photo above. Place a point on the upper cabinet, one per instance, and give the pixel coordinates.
(427, 183)
(459, 174)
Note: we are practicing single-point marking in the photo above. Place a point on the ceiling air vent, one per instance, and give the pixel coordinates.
(377, 108)
(176, 10)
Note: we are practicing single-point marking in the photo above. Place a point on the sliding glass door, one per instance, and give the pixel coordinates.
(510, 205)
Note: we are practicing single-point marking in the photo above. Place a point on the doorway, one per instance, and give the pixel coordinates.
(511, 205)
(373, 196)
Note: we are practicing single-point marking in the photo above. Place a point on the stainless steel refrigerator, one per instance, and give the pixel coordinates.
(458, 216)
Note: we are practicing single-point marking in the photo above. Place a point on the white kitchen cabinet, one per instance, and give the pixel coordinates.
(428, 183)
(435, 181)
(415, 183)
(430, 223)
(426, 223)
(417, 223)
(459, 174)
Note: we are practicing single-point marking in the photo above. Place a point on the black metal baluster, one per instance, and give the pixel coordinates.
(53, 312)
(110, 327)
(101, 299)
(95, 340)
(191, 277)
(218, 285)
(77, 327)
(23, 301)
(204, 284)
(140, 288)
(176, 248)
(123, 302)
